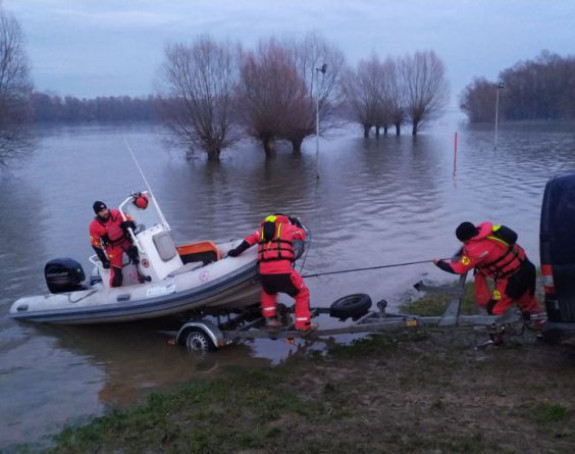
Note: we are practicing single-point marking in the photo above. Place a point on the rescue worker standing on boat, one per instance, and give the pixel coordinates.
(494, 253)
(276, 255)
(109, 231)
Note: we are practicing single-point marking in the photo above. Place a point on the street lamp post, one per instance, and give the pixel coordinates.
(500, 85)
(322, 70)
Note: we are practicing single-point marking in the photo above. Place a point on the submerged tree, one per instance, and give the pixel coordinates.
(321, 66)
(426, 87)
(15, 85)
(394, 94)
(271, 93)
(197, 88)
(363, 93)
(376, 95)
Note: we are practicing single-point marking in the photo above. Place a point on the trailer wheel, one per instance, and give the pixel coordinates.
(197, 340)
(353, 306)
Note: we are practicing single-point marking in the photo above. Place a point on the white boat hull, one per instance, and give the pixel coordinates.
(223, 285)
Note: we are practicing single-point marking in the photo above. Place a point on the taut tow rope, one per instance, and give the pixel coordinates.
(367, 268)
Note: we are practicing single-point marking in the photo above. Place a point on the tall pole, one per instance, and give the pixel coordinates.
(317, 132)
(499, 87)
(323, 69)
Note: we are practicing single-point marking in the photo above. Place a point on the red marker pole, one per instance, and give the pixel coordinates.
(455, 154)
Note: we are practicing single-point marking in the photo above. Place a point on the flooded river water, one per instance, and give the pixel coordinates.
(376, 202)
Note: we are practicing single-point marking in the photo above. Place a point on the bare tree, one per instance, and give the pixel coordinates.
(271, 93)
(15, 85)
(321, 67)
(381, 93)
(427, 90)
(395, 94)
(363, 93)
(197, 87)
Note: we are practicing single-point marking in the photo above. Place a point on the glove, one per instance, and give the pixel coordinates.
(132, 252)
(241, 248)
(128, 225)
(233, 253)
(102, 256)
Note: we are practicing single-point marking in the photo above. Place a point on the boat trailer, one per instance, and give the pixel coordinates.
(203, 334)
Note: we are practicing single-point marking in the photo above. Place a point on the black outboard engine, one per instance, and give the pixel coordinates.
(64, 275)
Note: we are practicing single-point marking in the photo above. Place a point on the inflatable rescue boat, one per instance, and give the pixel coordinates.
(169, 279)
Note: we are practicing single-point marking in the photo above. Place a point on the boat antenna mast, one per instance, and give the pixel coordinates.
(147, 184)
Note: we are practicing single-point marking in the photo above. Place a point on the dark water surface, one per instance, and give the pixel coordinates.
(376, 202)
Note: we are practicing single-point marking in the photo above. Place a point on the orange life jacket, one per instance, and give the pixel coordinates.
(110, 231)
(275, 241)
(506, 257)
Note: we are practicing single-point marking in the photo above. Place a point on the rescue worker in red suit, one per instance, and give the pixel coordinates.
(108, 231)
(276, 255)
(493, 252)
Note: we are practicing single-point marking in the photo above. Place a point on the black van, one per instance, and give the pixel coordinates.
(557, 248)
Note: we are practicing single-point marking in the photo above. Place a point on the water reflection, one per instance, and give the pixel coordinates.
(16, 147)
(138, 358)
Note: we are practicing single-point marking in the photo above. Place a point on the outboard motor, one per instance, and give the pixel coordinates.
(64, 275)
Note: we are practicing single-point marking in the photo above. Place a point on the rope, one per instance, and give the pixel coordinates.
(306, 252)
(367, 268)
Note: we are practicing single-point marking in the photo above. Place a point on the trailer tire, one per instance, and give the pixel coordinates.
(197, 340)
(353, 306)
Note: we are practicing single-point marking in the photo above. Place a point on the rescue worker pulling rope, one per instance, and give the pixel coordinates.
(494, 253)
(275, 239)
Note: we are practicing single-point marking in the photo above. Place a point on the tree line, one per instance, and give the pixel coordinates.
(49, 108)
(538, 89)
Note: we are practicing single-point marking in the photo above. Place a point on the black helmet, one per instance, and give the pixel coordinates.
(99, 206)
(465, 231)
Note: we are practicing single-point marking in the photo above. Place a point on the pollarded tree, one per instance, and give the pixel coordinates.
(15, 84)
(197, 86)
(426, 86)
(395, 94)
(363, 93)
(321, 66)
(270, 94)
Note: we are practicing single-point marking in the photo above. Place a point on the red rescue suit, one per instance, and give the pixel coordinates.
(507, 265)
(276, 271)
(109, 233)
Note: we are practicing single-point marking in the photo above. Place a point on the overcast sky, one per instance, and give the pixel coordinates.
(89, 48)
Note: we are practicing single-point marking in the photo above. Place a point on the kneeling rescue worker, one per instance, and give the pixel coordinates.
(276, 256)
(108, 231)
(494, 253)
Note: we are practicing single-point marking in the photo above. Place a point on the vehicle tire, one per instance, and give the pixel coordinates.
(197, 340)
(353, 306)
